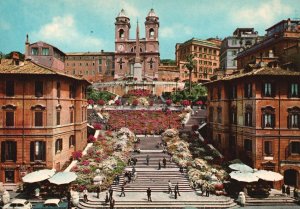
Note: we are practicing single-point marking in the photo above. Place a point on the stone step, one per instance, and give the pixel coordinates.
(159, 204)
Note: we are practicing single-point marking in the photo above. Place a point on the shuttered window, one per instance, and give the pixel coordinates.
(38, 118)
(8, 151)
(10, 118)
(37, 151)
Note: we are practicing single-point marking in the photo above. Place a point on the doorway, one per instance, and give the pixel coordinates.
(290, 177)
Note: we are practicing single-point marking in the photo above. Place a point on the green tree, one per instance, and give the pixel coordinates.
(190, 65)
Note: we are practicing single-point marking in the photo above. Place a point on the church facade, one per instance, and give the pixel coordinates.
(130, 51)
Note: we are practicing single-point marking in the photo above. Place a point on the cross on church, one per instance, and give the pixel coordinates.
(121, 63)
(151, 63)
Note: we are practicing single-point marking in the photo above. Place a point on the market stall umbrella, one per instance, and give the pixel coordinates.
(63, 178)
(268, 175)
(241, 167)
(38, 176)
(244, 176)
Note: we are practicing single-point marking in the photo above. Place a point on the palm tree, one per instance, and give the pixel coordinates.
(190, 65)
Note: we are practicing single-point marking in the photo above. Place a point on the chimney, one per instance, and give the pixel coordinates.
(27, 47)
(16, 58)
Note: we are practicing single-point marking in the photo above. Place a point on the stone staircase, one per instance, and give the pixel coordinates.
(271, 200)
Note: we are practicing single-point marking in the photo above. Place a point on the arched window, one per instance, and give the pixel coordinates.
(294, 117)
(268, 117)
(121, 33)
(72, 141)
(58, 145)
(233, 115)
(248, 115)
(151, 33)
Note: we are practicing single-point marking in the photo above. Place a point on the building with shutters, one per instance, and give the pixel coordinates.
(254, 114)
(42, 118)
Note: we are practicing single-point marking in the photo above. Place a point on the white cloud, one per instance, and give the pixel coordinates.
(62, 30)
(4, 25)
(264, 13)
(174, 30)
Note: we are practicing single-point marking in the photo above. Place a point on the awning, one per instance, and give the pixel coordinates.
(244, 176)
(63, 178)
(241, 167)
(38, 176)
(268, 175)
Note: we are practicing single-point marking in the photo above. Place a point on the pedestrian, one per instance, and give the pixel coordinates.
(207, 191)
(111, 191)
(69, 199)
(165, 150)
(147, 159)
(288, 190)
(177, 189)
(122, 191)
(117, 179)
(85, 195)
(129, 177)
(133, 170)
(106, 198)
(175, 192)
(159, 165)
(169, 187)
(165, 162)
(134, 177)
(283, 189)
(149, 194)
(98, 191)
(112, 203)
(181, 169)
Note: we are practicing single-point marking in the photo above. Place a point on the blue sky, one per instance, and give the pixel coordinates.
(88, 25)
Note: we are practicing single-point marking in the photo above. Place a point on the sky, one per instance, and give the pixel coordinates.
(88, 25)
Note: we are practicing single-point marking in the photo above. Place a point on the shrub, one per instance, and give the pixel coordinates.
(118, 102)
(185, 103)
(101, 102)
(135, 102)
(77, 155)
(91, 139)
(90, 101)
(168, 102)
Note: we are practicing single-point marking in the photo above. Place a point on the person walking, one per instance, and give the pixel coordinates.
(159, 165)
(122, 191)
(112, 203)
(207, 191)
(165, 162)
(133, 170)
(177, 189)
(283, 189)
(288, 190)
(98, 191)
(106, 198)
(85, 195)
(169, 187)
(111, 191)
(149, 194)
(175, 193)
(147, 159)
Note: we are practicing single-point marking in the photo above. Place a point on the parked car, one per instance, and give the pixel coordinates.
(52, 203)
(18, 204)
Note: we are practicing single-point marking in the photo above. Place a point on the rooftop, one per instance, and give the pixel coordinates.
(30, 68)
(200, 42)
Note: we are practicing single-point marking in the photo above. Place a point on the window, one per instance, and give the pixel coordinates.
(233, 93)
(100, 69)
(233, 115)
(58, 145)
(8, 151)
(45, 51)
(268, 117)
(10, 88)
(10, 118)
(72, 141)
(294, 117)
(268, 90)
(151, 33)
(294, 90)
(248, 90)
(57, 118)
(219, 92)
(219, 114)
(72, 91)
(268, 148)
(248, 145)
(38, 118)
(38, 88)
(58, 89)
(100, 61)
(34, 51)
(294, 147)
(248, 116)
(37, 151)
(10, 176)
(71, 116)
(121, 33)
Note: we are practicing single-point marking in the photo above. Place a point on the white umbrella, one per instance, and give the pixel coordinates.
(63, 178)
(243, 176)
(268, 175)
(241, 167)
(39, 175)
